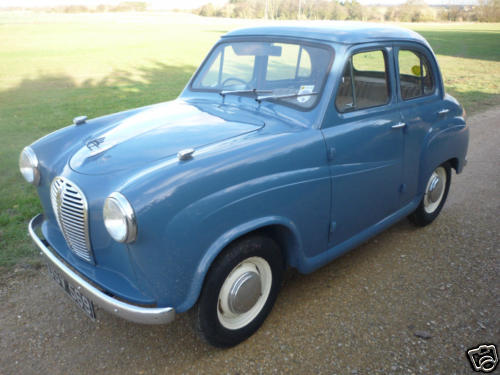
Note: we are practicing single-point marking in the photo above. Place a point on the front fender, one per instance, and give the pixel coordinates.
(225, 239)
(188, 212)
(286, 205)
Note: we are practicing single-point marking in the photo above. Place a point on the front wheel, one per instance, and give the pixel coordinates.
(436, 191)
(239, 291)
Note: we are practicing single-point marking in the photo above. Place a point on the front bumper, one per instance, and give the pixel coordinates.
(133, 313)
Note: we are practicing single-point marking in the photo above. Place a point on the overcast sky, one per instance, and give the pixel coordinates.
(184, 4)
(159, 4)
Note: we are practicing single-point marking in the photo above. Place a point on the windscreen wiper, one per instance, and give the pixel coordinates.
(286, 96)
(223, 93)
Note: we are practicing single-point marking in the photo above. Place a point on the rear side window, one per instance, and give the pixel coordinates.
(415, 74)
(364, 82)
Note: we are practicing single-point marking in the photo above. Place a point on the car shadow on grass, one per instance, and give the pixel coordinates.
(38, 106)
(51, 101)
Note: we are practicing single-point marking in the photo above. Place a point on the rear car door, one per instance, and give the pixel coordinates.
(364, 138)
(419, 99)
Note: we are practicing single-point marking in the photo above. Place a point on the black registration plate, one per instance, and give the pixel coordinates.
(82, 301)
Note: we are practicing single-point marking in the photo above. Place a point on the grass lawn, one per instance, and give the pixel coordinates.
(55, 67)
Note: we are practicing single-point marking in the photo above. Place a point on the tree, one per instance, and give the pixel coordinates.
(354, 10)
(489, 10)
(207, 10)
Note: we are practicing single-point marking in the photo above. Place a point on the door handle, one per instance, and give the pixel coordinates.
(399, 125)
(443, 111)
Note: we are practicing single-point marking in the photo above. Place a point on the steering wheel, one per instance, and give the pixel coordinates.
(234, 79)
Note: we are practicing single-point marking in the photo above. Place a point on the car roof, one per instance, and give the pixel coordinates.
(333, 31)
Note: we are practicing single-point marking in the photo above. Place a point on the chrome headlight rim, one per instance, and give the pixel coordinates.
(29, 156)
(127, 212)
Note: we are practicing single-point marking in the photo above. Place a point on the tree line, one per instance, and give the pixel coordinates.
(410, 11)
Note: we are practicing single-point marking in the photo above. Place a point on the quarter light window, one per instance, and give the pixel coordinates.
(364, 82)
(415, 75)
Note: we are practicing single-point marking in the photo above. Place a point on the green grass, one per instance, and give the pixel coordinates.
(55, 67)
(469, 57)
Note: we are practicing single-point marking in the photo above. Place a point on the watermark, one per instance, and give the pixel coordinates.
(484, 358)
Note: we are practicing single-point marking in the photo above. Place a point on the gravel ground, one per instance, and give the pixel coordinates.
(409, 301)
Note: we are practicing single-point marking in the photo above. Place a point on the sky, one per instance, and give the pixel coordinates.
(155, 4)
(184, 4)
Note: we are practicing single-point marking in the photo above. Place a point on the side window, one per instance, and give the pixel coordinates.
(415, 74)
(364, 82)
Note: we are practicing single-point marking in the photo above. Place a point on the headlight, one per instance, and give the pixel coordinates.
(119, 218)
(28, 165)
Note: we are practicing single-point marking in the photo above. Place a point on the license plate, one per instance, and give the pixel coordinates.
(76, 296)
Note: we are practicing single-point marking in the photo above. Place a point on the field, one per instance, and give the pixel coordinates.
(55, 67)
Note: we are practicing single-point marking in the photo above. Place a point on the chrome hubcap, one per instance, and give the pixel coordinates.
(244, 293)
(434, 191)
(435, 188)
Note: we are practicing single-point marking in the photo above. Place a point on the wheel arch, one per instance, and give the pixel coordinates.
(280, 229)
(454, 163)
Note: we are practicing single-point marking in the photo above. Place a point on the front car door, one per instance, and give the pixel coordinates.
(364, 138)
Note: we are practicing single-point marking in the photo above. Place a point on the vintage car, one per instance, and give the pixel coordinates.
(289, 146)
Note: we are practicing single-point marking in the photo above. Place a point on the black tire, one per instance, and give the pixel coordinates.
(422, 216)
(208, 309)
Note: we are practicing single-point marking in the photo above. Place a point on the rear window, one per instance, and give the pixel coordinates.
(415, 74)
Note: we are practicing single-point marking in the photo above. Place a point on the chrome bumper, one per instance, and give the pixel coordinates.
(137, 314)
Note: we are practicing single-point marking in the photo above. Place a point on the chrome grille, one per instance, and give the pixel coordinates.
(70, 208)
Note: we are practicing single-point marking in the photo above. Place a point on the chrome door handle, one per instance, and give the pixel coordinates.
(443, 111)
(399, 125)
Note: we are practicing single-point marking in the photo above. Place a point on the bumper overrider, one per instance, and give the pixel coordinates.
(133, 313)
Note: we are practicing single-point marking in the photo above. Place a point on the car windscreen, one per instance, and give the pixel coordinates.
(290, 72)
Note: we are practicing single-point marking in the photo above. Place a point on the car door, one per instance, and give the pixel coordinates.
(419, 102)
(364, 138)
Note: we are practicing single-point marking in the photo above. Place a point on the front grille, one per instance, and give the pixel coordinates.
(70, 208)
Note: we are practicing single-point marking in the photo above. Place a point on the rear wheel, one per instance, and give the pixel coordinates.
(436, 192)
(239, 291)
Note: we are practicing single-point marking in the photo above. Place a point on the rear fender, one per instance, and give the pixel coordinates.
(444, 145)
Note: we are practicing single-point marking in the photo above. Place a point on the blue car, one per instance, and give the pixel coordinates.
(289, 146)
